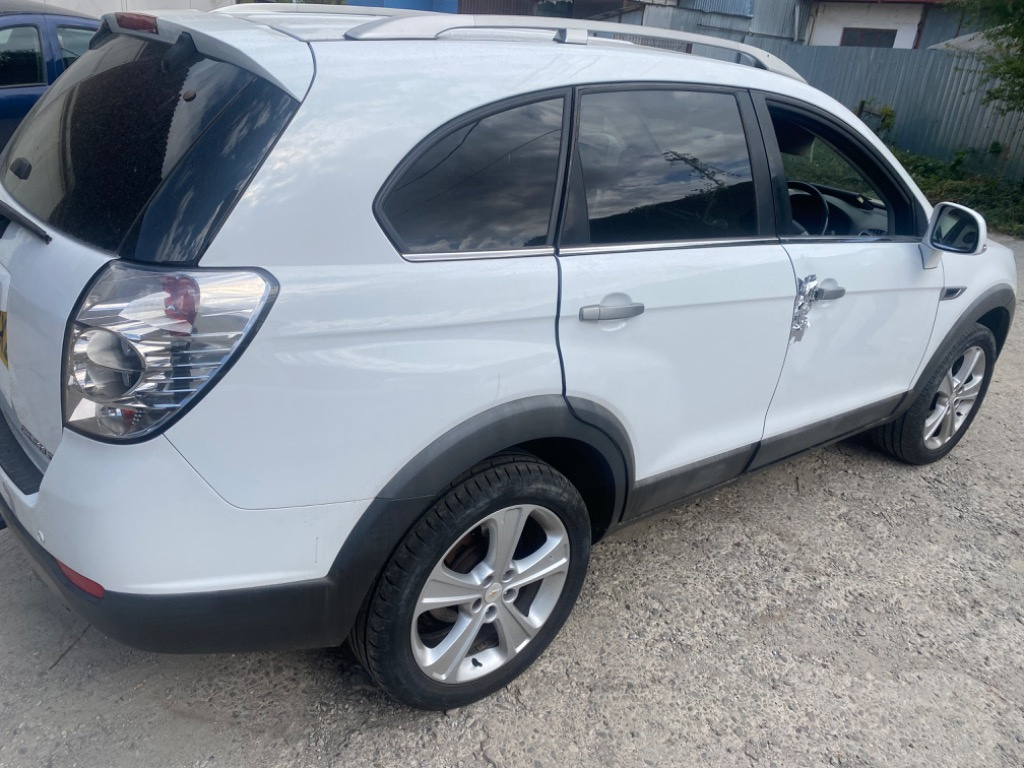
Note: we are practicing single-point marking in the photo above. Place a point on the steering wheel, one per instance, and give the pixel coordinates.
(809, 207)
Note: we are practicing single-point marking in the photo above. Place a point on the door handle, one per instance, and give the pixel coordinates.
(594, 312)
(827, 294)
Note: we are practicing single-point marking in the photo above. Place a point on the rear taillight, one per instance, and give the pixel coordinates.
(145, 343)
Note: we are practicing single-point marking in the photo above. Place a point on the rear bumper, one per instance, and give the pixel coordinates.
(182, 570)
(308, 614)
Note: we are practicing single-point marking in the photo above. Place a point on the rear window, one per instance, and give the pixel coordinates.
(142, 147)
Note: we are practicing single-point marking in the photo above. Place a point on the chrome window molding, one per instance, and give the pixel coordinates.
(797, 239)
(464, 255)
(582, 250)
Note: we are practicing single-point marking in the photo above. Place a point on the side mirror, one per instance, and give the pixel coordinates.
(954, 229)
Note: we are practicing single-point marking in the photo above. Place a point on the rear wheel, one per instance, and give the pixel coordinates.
(947, 404)
(479, 587)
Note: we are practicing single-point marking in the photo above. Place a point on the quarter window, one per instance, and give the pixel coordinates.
(488, 185)
(21, 56)
(660, 166)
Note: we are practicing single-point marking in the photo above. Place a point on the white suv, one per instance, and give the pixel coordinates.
(326, 323)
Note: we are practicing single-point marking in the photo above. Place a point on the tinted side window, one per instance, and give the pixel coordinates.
(21, 56)
(837, 187)
(489, 185)
(661, 166)
(74, 41)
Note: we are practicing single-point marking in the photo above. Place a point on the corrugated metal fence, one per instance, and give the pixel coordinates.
(937, 98)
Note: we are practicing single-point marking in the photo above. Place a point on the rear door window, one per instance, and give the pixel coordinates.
(660, 165)
(127, 123)
(486, 185)
(21, 56)
(74, 41)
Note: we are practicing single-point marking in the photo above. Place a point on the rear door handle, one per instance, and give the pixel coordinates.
(594, 312)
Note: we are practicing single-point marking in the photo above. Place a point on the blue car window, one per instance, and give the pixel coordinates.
(21, 56)
(74, 41)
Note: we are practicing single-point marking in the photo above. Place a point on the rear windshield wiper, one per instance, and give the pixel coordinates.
(12, 214)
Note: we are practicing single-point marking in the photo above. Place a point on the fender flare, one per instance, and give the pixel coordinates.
(414, 488)
(1000, 297)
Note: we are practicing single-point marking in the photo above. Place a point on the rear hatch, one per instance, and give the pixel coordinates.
(137, 153)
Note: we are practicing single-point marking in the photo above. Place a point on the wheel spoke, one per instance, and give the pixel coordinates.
(445, 587)
(972, 389)
(948, 428)
(551, 558)
(514, 630)
(443, 661)
(967, 402)
(933, 423)
(947, 385)
(973, 366)
(504, 528)
(972, 386)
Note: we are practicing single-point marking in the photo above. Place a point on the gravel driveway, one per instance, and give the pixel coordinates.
(838, 610)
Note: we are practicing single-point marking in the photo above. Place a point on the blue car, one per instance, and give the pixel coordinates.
(37, 43)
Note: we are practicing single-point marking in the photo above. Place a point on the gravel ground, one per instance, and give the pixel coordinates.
(838, 610)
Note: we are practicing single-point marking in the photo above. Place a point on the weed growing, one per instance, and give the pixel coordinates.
(1000, 201)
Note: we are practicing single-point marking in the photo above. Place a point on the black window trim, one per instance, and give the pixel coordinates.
(868, 156)
(759, 168)
(481, 113)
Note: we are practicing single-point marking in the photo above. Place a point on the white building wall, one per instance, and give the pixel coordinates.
(829, 20)
(99, 7)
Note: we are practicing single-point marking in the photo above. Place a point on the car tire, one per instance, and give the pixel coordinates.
(479, 587)
(946, 404)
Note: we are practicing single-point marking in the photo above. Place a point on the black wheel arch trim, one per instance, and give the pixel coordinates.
(508, 425)
(1000, 297)
(410, 492)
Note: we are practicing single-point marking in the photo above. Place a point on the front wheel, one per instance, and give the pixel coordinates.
(479, 587)
(947, 403)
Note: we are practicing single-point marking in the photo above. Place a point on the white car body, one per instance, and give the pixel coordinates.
(378, 376)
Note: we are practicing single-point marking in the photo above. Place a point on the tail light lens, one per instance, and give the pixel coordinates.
(139, 22)
(144, 344)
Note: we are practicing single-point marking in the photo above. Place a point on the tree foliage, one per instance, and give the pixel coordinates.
(1003, 22)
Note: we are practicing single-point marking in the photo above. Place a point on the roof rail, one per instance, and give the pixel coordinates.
(246, 9)
(573, 31)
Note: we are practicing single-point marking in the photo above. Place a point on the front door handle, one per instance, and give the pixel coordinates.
(595, 312)
(827, 294)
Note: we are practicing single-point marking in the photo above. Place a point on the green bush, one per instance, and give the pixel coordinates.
(1001, 202)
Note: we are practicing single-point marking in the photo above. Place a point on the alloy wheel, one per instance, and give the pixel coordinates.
(490, 594)
(955, 398)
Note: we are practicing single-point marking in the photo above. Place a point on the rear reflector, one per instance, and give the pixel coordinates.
(88, 586)
(138, 22)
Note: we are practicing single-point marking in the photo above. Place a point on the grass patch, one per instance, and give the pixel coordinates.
(1001, 202)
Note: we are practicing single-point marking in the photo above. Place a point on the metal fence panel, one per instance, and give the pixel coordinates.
(728, 7)
(938, 98)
